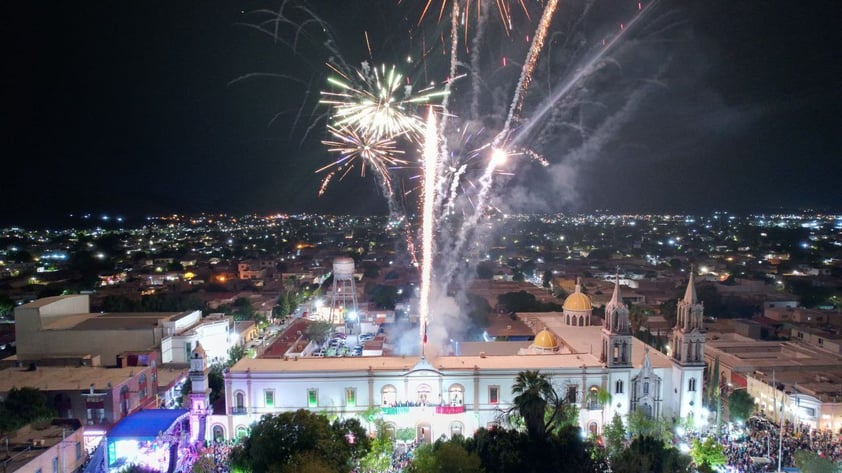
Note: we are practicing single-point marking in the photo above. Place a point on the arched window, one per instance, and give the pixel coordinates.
(456, 394)
(581, 321)
(593, 398)
(241, 431)
(456, 428)
(691, 385)
(568, 319)
(124, 401)
(218, 433)
(593, 429)
(389, 395)
(423, 393)
(239, 403)
(618, 387)
(141, 386)
(646, 387)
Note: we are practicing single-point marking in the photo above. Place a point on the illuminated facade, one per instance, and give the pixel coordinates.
(444, 395)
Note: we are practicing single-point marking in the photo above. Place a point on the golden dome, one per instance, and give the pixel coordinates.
(545, 340)
(577, 301)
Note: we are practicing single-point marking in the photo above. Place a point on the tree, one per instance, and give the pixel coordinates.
(205, 464)
(708, 454)
(243, 309)
(235, 354)
(647, 454)
(614, 435)
(547, 279)
(22, 406)
(379, 458)
(319, 331)
(532, 390)
(7, 307)
(740, 404)
(293, 438)
(811, 462)
(641, 425)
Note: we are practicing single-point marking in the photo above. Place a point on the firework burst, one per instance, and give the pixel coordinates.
(377, 103)
(380, 154)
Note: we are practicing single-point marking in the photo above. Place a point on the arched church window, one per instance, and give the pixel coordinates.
(456, 395)
(389, 395)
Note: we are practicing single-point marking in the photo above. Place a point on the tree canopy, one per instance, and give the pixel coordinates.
(740, 404)
(293, 440)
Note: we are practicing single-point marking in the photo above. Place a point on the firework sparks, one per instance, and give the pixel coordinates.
(354, 148)
(475, 7)
(375, 102)
(431, 150)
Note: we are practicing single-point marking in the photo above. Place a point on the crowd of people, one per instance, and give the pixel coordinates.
(755, 448)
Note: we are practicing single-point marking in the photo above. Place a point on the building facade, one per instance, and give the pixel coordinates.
(440, 396)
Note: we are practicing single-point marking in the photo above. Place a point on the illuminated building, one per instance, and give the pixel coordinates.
(441, 396)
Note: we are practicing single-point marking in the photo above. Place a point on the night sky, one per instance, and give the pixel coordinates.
(129, 107)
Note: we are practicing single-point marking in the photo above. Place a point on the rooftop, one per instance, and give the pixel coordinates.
(146, 424)
(64, 378)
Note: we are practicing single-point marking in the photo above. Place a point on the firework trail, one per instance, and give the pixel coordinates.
(431, 150)
(528, 68)
(583, 72)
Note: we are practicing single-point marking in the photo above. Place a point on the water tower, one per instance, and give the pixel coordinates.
(343, 298)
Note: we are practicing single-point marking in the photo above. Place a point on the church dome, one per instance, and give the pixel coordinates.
(545, 340)
(577, 301)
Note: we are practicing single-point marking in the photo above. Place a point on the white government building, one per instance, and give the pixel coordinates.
(445, 395)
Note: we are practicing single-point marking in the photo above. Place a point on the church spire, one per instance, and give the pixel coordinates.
(690, 293)
(616, 299)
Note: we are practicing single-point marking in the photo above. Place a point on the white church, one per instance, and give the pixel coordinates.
(440, 396)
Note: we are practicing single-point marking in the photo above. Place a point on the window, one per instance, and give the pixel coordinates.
(350, 397)
(494, 394)
(593, 398)
(389, 395)
(187, 349)
(456, 429)
(571, 393)
(55, 464)
(691, 386)
(312, 398)
(646, 388)
(618, 387)
(78, 450)
(456, 394)
(269, 398)
(240, 400)
(141, 386)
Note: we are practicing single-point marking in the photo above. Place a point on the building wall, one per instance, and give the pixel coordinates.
(107, 343)
(68, 455)
(289, 392)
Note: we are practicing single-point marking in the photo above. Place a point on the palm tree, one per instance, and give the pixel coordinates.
(533, 393)
(603, 397)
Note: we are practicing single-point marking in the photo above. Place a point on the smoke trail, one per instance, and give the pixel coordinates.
(476, 80)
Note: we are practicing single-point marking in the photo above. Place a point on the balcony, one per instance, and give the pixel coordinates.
(450, 409)
(239, 410)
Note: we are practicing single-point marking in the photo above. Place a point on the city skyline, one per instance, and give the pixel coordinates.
(139, 112)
